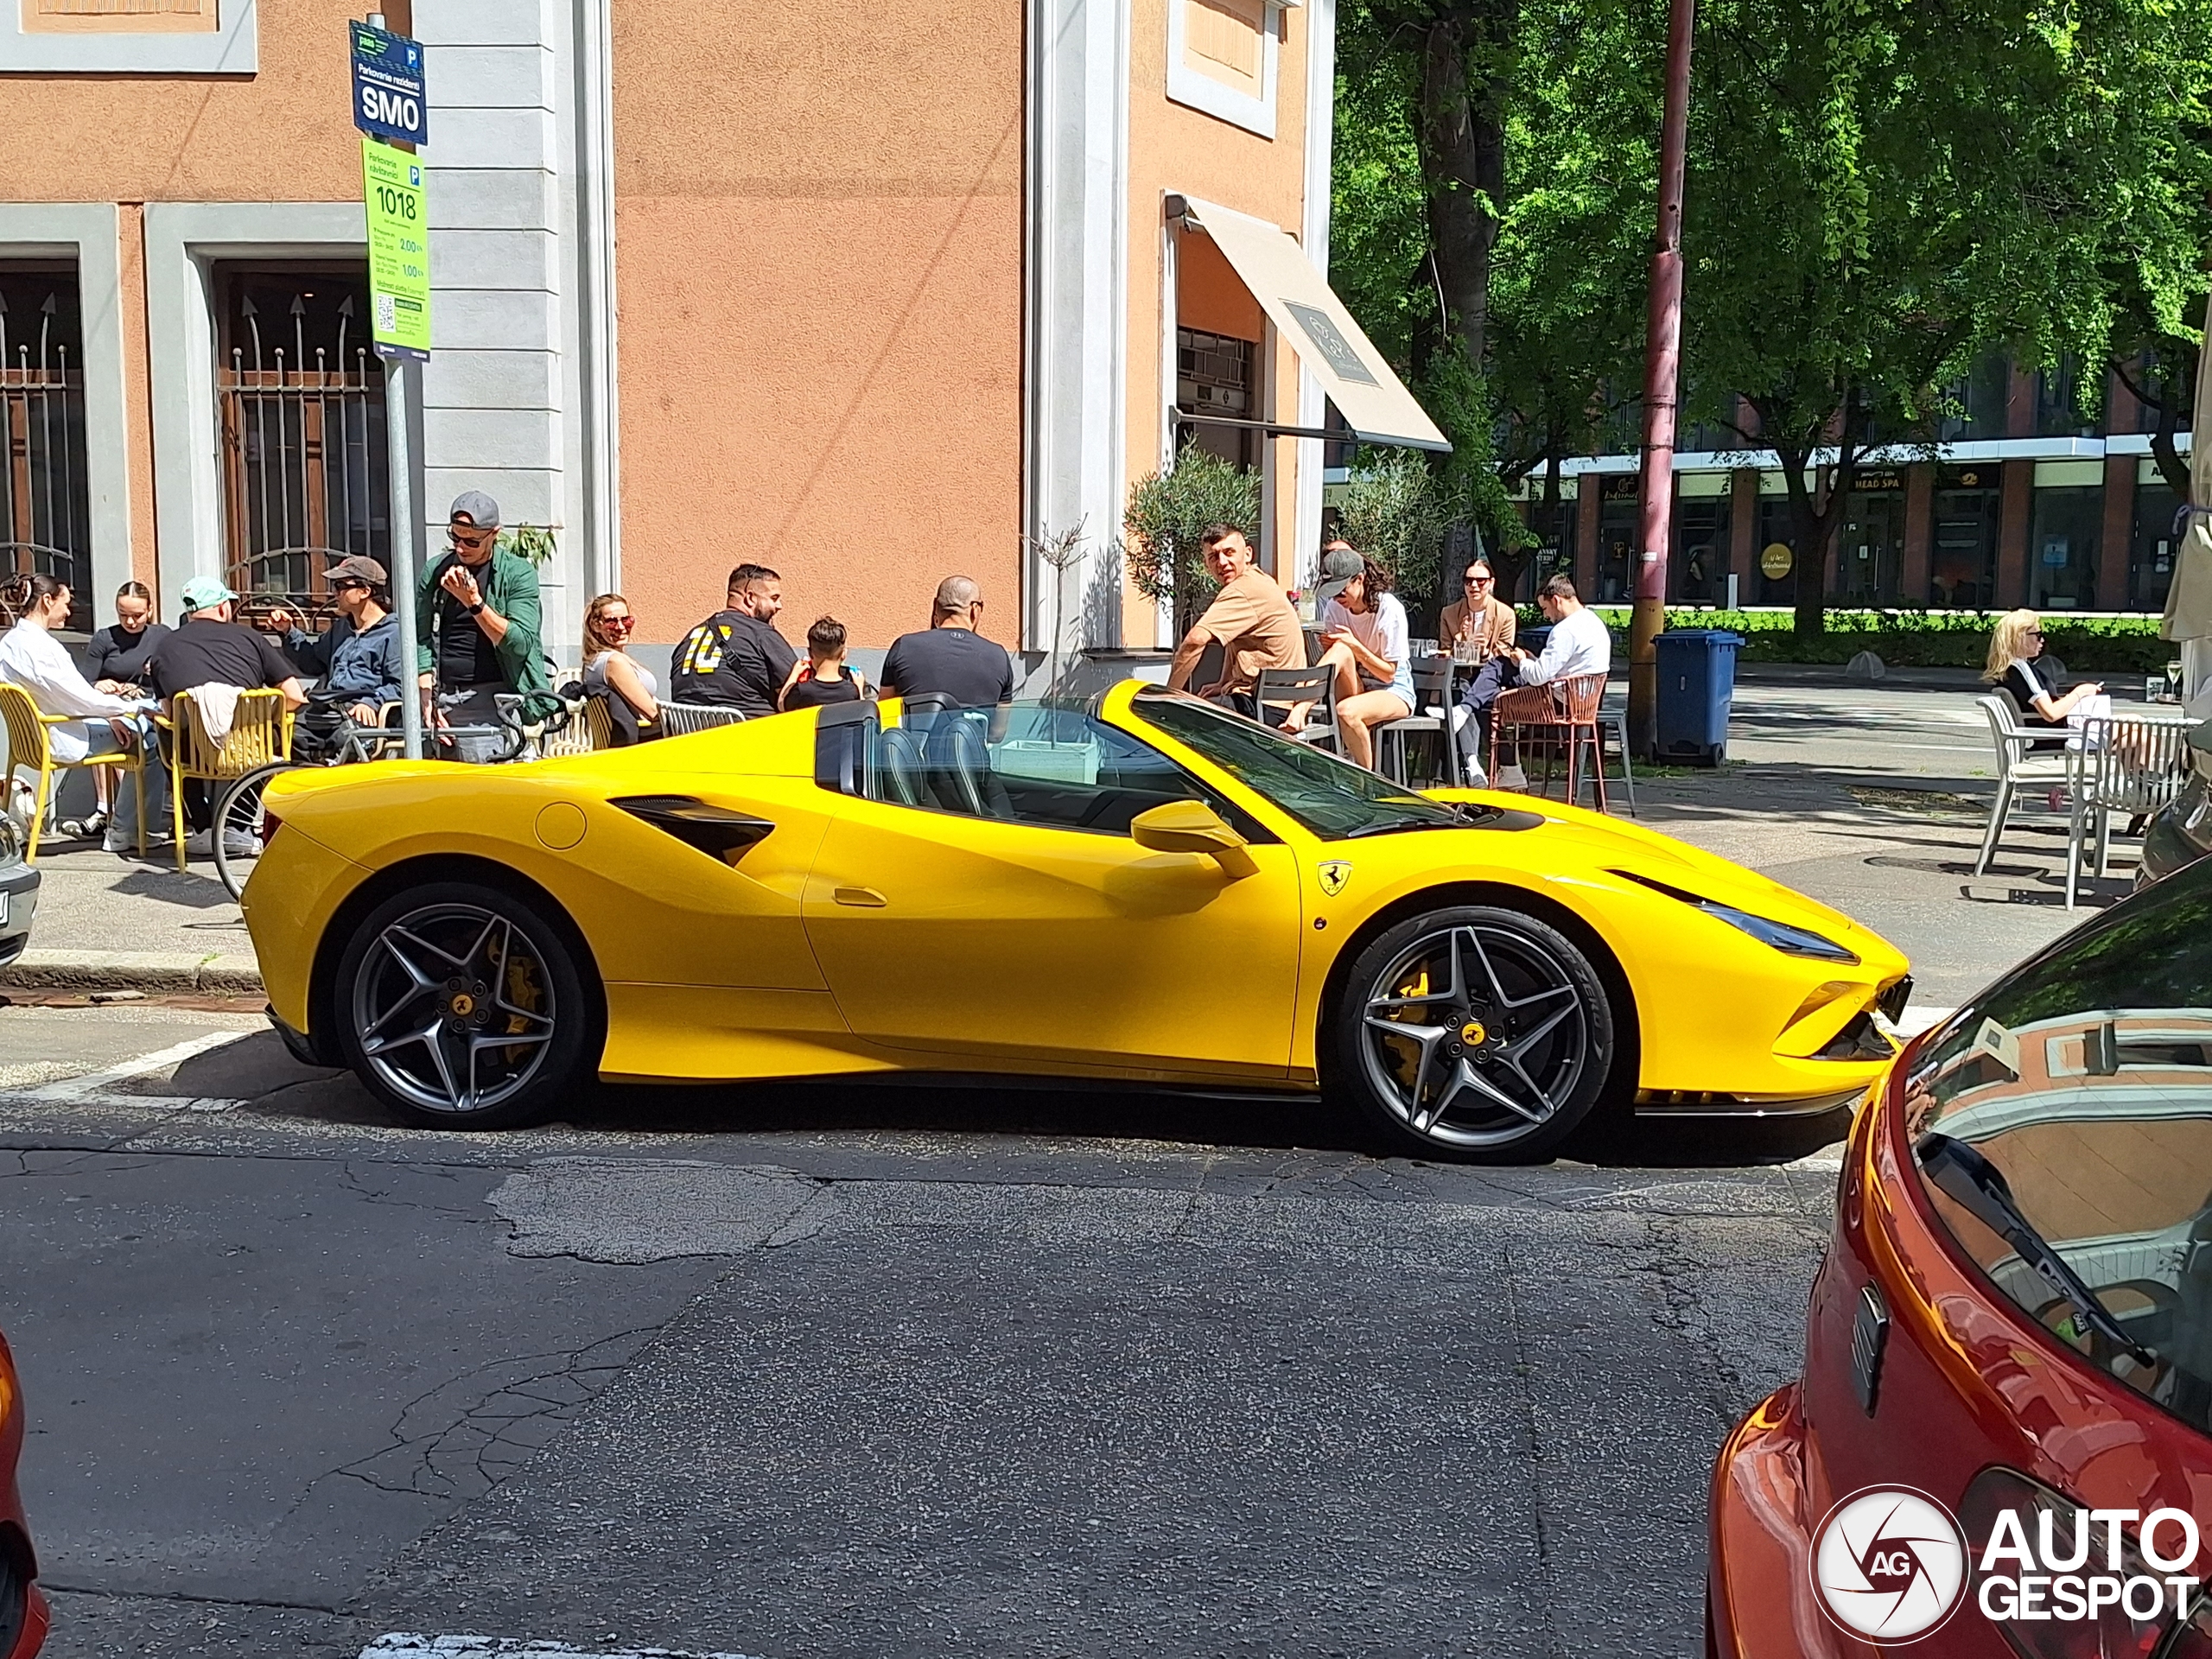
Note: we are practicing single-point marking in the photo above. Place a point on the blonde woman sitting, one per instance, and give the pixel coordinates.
(608, 666)
(2013, 653)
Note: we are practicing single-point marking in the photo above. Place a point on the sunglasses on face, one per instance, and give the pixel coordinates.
(1478, 582)
(617, 624)
(470, 537)
(347, 586)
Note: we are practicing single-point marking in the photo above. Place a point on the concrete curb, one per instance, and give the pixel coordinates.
(151, 971)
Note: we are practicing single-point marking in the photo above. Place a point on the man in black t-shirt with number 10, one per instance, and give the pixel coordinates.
(735, 658)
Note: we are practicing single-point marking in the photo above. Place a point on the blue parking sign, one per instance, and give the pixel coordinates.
(388, 98)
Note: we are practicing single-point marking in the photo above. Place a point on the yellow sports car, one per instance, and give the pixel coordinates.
(1143, 888)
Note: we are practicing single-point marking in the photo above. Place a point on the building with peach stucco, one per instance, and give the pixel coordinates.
(866, 297)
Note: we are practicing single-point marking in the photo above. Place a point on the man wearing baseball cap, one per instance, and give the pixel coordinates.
(360, 659)
(212, 648)
(477, 621)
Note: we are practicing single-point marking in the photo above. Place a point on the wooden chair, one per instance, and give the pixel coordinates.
(1279, 692)
(1431, 691)
(30, 748)
(1567, 712)
(261, 731)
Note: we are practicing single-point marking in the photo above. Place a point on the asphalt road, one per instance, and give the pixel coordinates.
(854, 1370)
(865, 1371)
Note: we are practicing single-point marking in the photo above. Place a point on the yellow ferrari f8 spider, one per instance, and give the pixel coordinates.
(1143, 889)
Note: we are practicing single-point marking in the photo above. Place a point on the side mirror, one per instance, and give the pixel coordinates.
(1192, 827)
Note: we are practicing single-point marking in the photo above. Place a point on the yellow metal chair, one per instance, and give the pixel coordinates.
(30, 747)
(261, 731)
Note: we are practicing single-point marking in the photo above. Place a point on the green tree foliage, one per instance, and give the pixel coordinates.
(1168, 512)
(1880, 191)
(1393, 511)
(1492, 203)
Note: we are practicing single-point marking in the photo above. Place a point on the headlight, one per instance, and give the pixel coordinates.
(1791, 941)
(12, 840)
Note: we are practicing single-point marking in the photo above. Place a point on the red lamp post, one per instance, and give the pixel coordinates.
(1663, 363)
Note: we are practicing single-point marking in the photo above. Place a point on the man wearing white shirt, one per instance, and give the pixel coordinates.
(1579, 644)
(32, 658)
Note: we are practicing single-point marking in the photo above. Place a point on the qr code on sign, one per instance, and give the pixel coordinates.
(387, 314)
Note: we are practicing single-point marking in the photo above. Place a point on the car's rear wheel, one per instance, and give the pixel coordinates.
(1474, 1032)
(462, 1007)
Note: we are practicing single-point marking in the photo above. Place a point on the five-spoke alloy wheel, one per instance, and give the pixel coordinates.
(1475, 1032)
(461, 1007)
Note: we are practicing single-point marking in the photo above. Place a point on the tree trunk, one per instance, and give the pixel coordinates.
(1812, 524)
(2178, 394)
(1463, 158)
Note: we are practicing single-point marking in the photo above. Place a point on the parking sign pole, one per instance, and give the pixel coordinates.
(390, 106)
(399, 381)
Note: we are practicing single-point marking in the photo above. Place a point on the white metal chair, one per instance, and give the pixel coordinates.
(2120, 763)
(2018, 763)
(1279, 691)
(680, 719)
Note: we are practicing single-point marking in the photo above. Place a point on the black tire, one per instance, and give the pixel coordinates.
(432, 976)
(239, 813)
(1500, 1064)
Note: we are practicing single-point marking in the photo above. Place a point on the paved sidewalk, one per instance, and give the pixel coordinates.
(1871, 798)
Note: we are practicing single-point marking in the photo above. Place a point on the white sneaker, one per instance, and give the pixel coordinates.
(200, 843)
(239, 844)
(1476, 779)
(1512, 778)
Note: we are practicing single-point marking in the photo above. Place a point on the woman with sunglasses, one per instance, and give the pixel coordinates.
(1479, 626)
(2013, 652)
(608, 667)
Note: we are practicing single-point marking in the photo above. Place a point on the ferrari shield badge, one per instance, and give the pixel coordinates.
(1333, 875)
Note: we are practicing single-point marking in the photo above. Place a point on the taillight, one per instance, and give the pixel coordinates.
(2088, 1591)
(269, 824)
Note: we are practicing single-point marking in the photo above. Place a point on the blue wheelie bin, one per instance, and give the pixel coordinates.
(1697, 682)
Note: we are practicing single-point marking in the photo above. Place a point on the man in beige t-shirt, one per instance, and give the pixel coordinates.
(1252, 618)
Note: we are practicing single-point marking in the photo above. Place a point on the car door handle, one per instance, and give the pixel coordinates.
(862, 897)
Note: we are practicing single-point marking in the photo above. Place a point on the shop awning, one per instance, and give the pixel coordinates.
(2189, 602)
(1374, 404)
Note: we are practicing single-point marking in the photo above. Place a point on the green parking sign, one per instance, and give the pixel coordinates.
(399, 250)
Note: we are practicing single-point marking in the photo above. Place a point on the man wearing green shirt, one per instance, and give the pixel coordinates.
(477, 632)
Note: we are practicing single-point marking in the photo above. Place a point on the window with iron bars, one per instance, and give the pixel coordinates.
(45, 506)
(299, 392)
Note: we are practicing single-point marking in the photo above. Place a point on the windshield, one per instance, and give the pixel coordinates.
(2083, 1082)
(1333, 798)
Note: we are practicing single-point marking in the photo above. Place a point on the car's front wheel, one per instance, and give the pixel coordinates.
(1476, 1032)
(461, 1007)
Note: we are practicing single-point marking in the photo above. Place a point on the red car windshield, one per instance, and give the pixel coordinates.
(2064, 1129)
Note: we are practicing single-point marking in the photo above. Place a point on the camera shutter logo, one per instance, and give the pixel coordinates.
(1889, 1564)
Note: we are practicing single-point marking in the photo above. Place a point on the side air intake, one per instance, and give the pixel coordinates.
(717, 831)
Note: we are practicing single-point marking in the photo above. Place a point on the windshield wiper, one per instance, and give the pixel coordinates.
(1979, 1187)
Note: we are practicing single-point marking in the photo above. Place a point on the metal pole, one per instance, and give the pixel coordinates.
(1663, 363)
(398, 405)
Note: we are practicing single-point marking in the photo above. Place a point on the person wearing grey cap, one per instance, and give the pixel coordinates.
(1364, 638)
(477, 621)
(360, 659)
